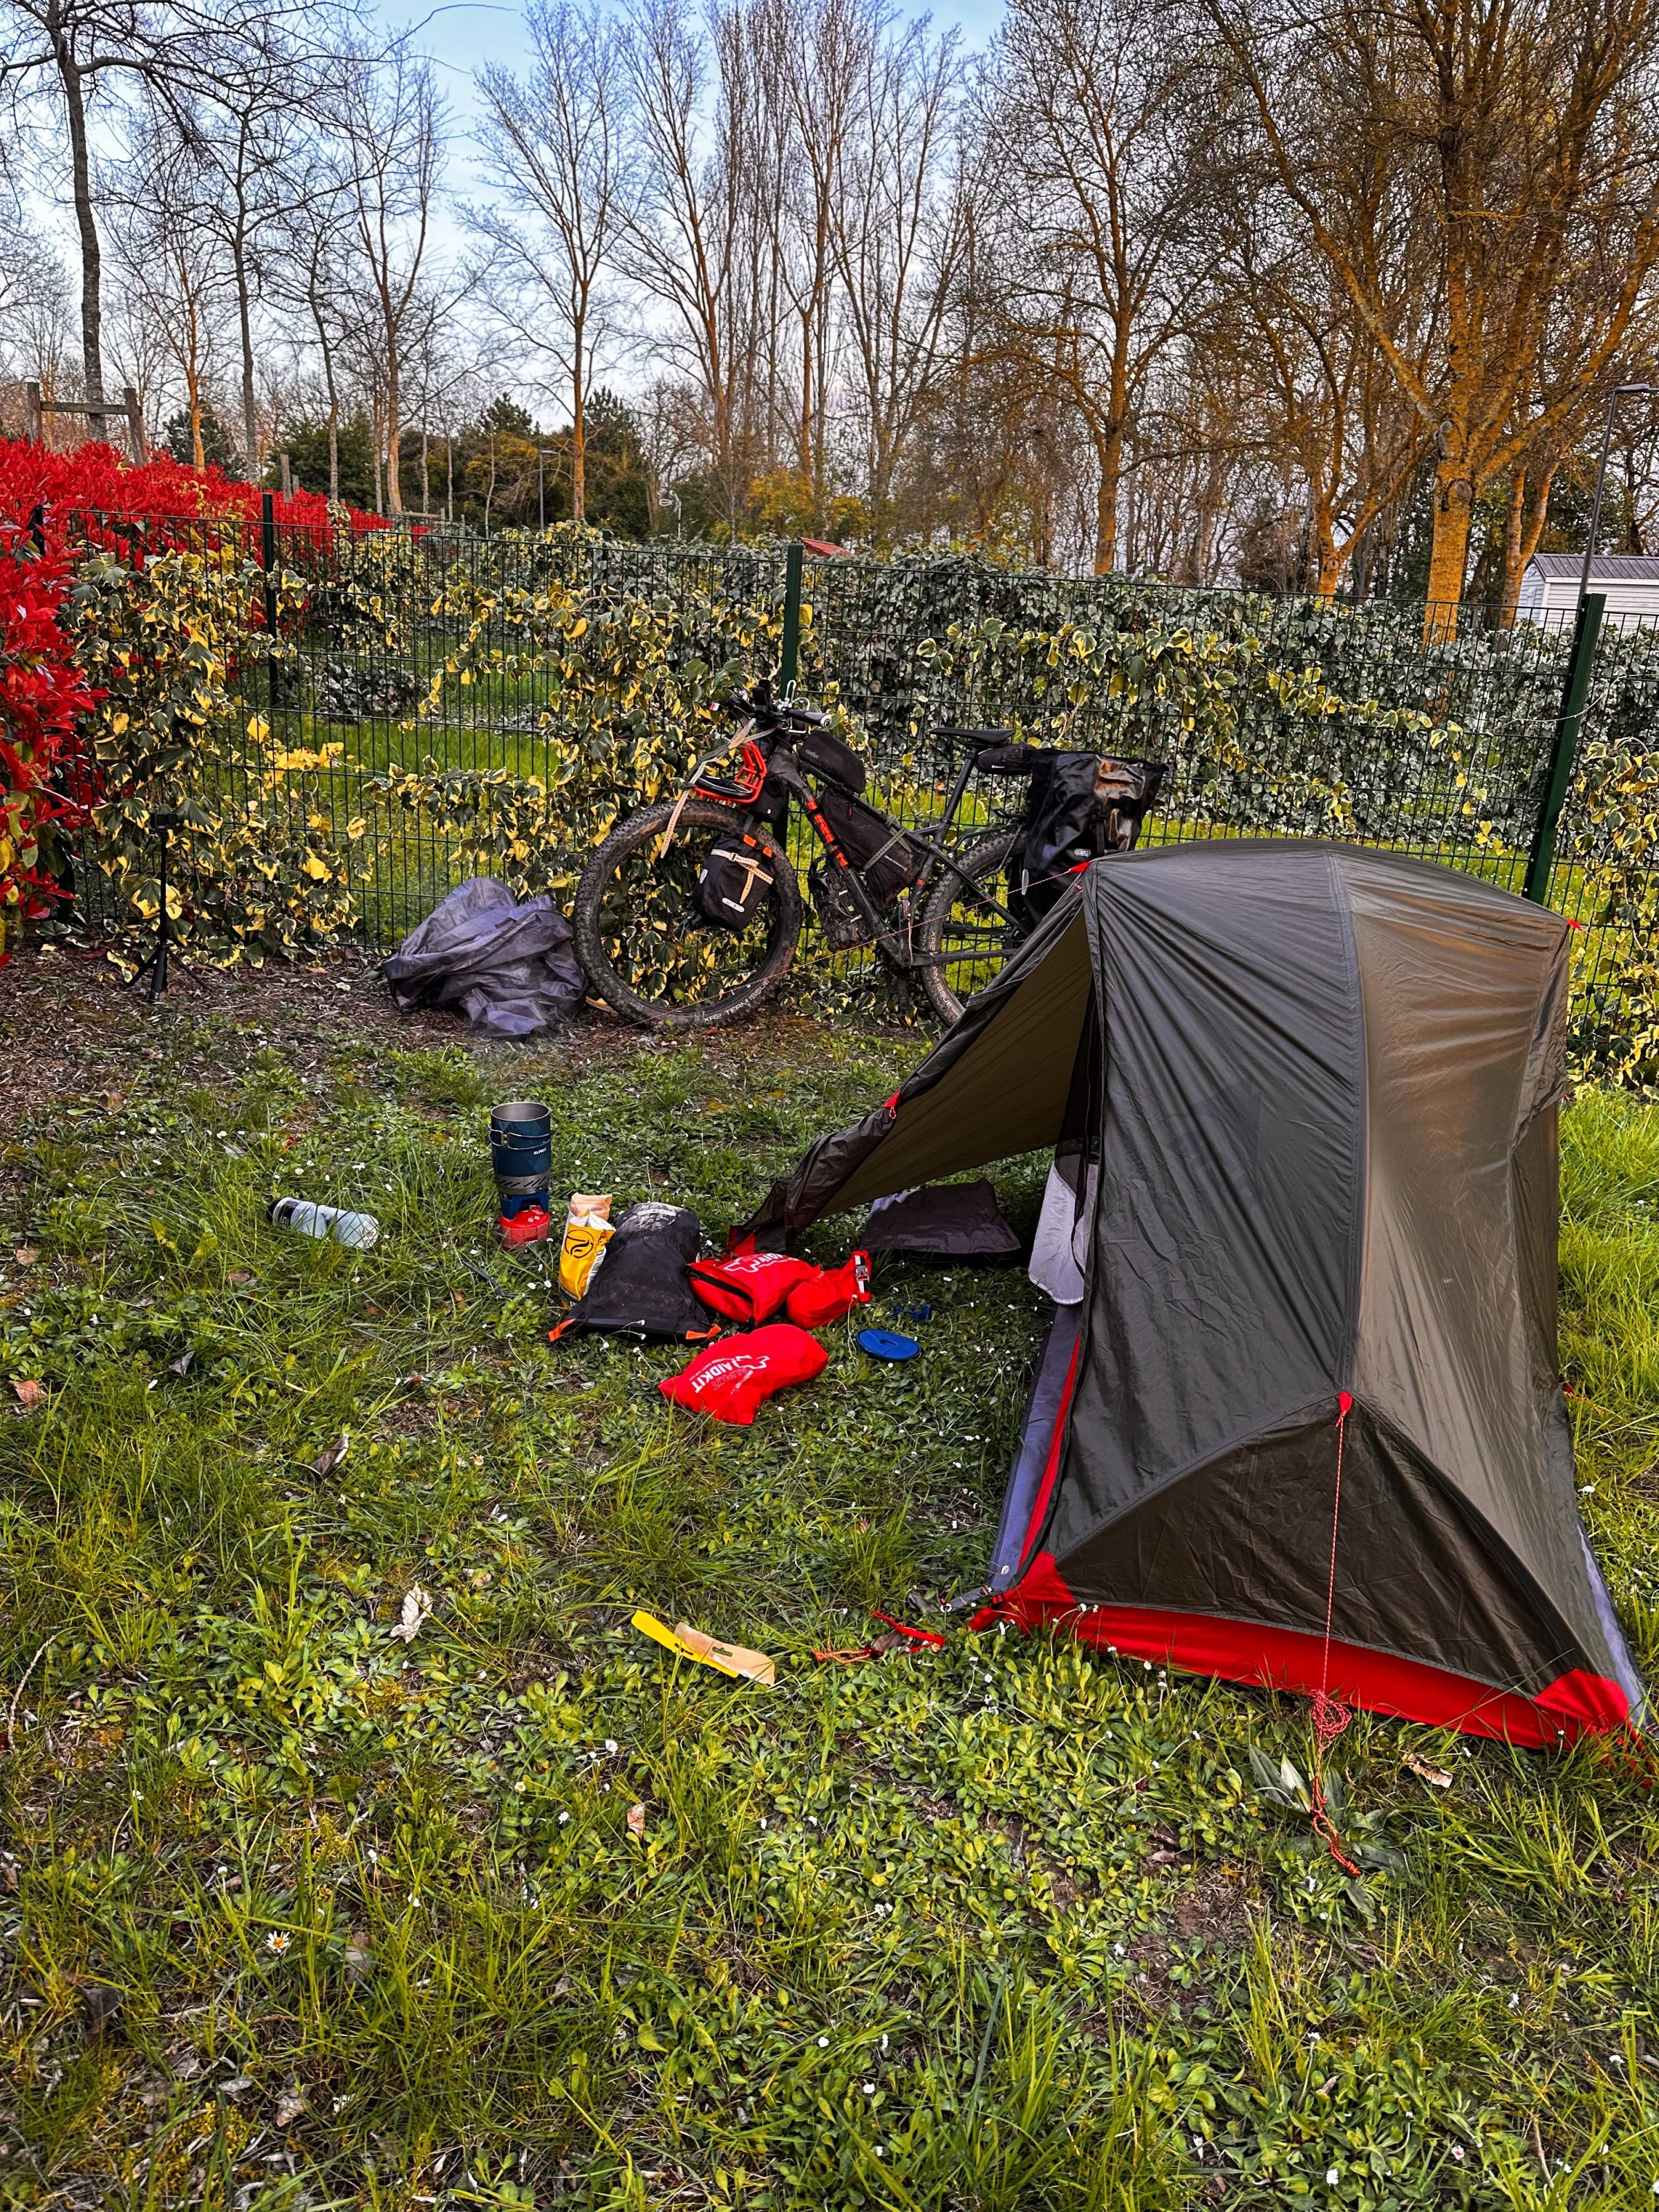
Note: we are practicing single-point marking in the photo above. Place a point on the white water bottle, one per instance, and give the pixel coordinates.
(306, 1218)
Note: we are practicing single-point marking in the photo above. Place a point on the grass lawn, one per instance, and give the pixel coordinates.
(525, 1911)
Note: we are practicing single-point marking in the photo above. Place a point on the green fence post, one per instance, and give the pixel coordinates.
(1564, 743)
(789, 650)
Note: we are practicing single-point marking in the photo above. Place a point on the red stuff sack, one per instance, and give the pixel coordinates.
(831, 1294)
(734, 1379)
(749, 1287)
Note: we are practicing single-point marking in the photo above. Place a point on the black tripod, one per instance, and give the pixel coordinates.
(157, 965)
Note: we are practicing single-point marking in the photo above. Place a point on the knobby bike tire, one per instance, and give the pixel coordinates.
(699, 818)
(984, 856)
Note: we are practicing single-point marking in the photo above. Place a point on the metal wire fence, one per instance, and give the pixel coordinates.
(437, 654)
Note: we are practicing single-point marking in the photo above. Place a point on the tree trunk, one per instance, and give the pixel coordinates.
(1514, 523)
(245, 333)
(334, 451)
(193, 389)
(426, 482)
(578, 427)
(1530, 499)
(1449, 552)
(1327, 562)
(449, 476)
(394, 431)
(92, 309)
(1110, 451)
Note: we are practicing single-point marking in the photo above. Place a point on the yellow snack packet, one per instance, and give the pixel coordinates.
(587, 1230)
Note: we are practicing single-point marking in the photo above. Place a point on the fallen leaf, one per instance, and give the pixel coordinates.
(417, 1608)
(27, 1254)
(358, 1957)
(636, 1819)
(328, 1459)
(289, 2106)
(1425, 1770)
(235, 2086)
(240, 1276)
(181, 1365)
(101, 2004)
(29, 1393)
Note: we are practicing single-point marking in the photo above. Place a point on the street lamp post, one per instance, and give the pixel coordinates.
(1622, 391)
(543, 453)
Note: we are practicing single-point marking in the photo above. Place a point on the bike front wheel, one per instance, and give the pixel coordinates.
(644, 949)
(967, 932)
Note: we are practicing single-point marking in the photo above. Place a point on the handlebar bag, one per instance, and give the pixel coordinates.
(738, 872)
(644, 1288)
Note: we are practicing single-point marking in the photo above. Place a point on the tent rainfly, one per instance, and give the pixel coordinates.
(1303, 1425)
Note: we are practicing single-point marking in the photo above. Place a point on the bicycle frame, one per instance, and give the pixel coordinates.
(890, 943)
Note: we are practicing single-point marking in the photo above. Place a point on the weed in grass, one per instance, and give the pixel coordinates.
(297, 1913)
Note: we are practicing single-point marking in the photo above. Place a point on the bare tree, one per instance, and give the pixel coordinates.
(1095, 119)
(258, 155)
(1312, 392)
(72, 54)
(174, 281)
(684, 243)
(393, 121)
(556, 145)
(1525, 130)
(897, 220)
(313, 273)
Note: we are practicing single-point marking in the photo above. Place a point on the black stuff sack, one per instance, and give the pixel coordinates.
(942, 1221)
(737, 874)
(508, 969)
(642, 1287)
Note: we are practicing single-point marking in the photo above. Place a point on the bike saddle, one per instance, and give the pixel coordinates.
(954, 735)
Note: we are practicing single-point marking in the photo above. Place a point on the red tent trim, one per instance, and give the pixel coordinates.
(1576, 1703)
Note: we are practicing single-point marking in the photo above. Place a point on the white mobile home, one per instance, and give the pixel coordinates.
(1549, 586)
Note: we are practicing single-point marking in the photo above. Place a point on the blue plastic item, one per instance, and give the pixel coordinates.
(887, 1344)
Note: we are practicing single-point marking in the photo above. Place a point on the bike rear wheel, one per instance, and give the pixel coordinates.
(966, 932)
(644, 949)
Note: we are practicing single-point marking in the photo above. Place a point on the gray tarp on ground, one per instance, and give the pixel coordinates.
(507, 968)
(1327, 1138)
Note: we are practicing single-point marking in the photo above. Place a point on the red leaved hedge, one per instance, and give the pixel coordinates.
(44, 497)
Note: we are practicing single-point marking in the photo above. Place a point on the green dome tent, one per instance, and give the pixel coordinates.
(1306, 1426)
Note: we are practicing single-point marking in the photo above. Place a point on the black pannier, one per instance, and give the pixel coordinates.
(1078, 806)
(829, 757)
(737, 874)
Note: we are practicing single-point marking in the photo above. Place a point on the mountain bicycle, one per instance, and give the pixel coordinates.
(689, 914)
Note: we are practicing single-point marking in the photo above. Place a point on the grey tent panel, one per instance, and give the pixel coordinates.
(1323, 1086)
